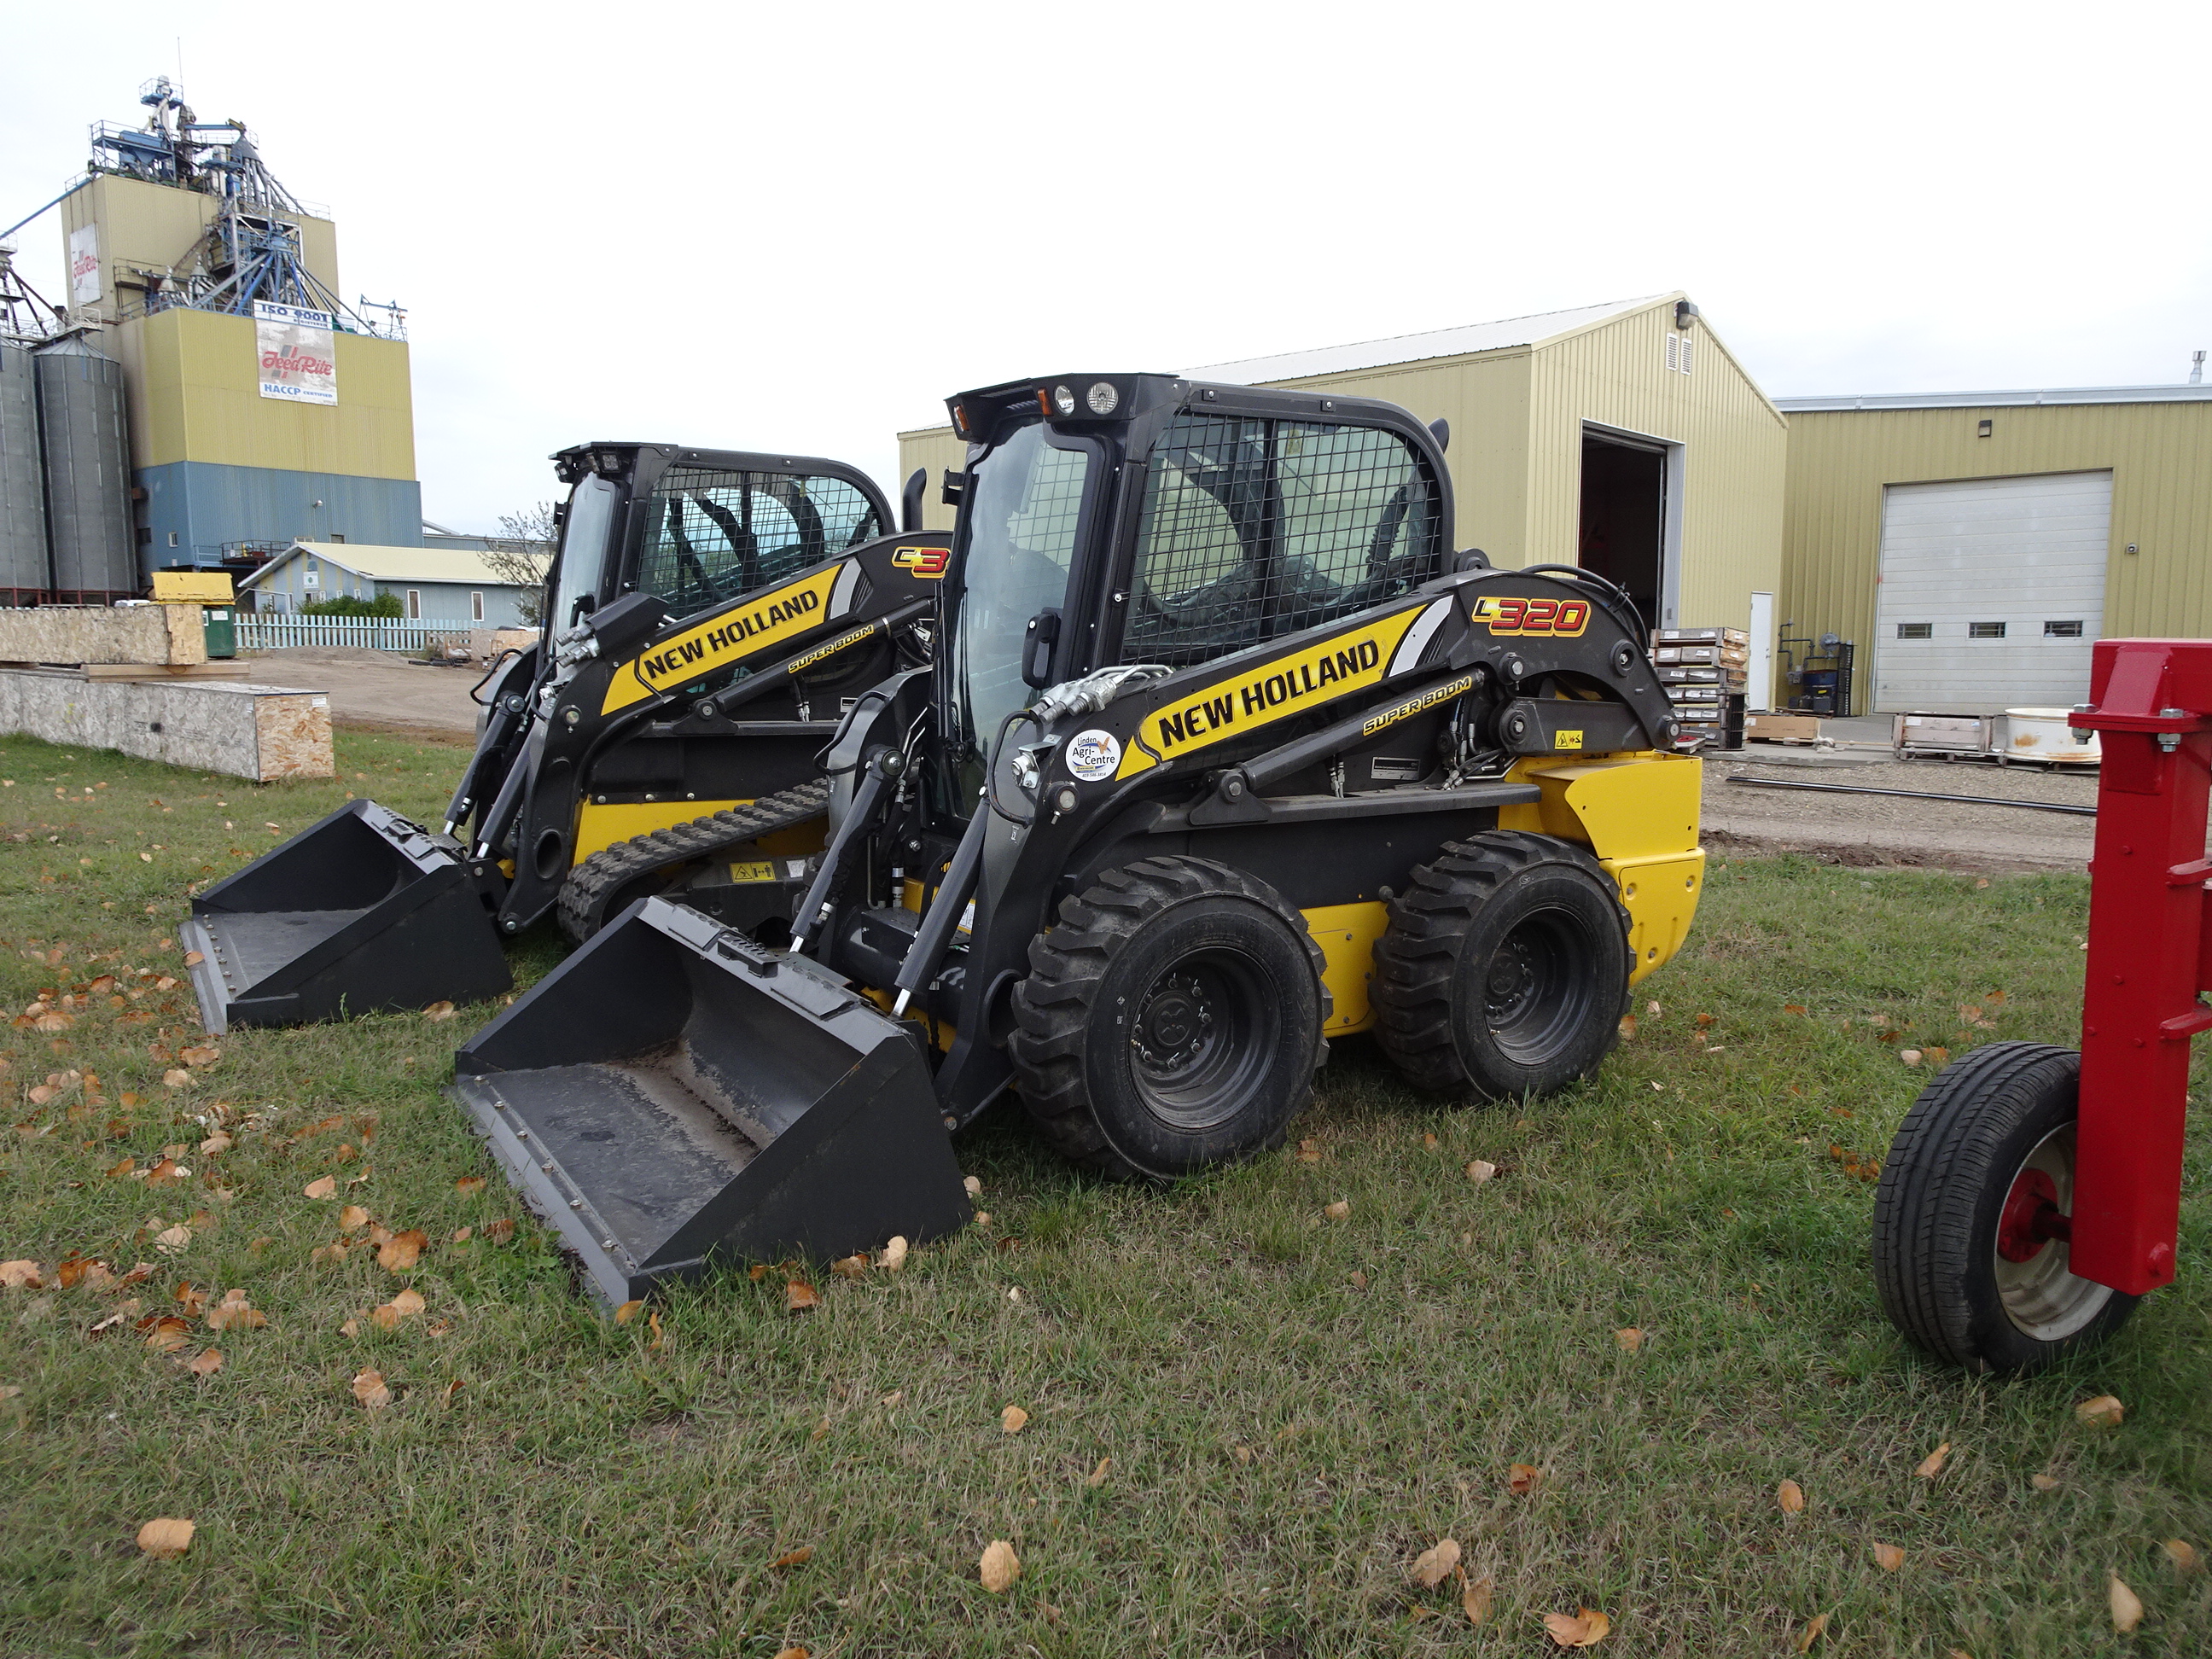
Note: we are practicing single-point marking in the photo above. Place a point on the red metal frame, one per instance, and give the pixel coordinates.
(2150, 953)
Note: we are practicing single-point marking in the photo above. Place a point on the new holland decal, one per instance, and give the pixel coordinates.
(1514, 613)
(750, 629)
(1267, 692)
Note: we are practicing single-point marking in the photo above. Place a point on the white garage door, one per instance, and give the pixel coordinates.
(1992, 593)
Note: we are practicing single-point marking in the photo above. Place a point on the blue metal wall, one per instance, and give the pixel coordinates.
(203, 506)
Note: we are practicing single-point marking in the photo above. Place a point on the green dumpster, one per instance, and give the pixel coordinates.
(221, 631)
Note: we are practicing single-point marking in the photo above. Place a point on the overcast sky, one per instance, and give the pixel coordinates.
(800, 228)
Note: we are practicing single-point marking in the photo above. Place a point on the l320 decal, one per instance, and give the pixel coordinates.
(1508, 613)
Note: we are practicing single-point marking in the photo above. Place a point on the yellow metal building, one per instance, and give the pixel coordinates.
(216, 462)
(1624, 437)
(1974, 545)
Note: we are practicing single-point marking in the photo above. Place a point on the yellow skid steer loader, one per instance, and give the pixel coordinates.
(709, 616)
(1220, 752)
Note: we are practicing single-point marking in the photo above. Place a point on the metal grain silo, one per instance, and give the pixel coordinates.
(80, 421)
(22, 485)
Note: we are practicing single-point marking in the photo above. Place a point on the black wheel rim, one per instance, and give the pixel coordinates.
(1536, 988)
(1204, 1036)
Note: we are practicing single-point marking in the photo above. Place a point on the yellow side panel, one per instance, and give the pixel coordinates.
(598, 828)
(1638, 813)
(1346, 935)
(947, 1035)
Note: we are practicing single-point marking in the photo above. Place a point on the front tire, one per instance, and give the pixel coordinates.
(1171, 1020)
(1504, 970)
(1969, 1251)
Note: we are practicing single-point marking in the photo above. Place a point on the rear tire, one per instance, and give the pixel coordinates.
(1171, 1020)
(1964, 1268)
(1504, 970)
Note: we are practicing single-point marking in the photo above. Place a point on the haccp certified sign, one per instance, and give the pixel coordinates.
(1093, 755)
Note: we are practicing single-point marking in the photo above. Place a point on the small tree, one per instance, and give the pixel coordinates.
(522, 555)
(384, 604)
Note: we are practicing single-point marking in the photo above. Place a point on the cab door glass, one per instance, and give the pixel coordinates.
(711, 535)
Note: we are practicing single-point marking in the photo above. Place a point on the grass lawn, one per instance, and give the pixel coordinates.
(1294, 1406)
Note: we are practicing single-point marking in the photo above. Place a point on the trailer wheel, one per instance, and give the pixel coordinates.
(1969, 1221)
(1503, 969)
(1171, 1019)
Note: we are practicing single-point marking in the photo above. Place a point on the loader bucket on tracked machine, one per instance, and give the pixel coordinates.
(363, 911)
(673, 1095)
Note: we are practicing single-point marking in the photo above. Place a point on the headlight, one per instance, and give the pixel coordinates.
(1063, 400)
(1104, 399)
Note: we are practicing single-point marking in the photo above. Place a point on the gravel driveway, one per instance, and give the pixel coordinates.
(1863, 829)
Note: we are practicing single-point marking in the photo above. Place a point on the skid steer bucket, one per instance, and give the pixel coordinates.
(673, 1095)
(363, 911)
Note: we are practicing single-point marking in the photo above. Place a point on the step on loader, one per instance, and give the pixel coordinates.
(1220, 753)
(710, 615)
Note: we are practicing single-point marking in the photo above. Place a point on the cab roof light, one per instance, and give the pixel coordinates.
(960, 419)
(1044, 403)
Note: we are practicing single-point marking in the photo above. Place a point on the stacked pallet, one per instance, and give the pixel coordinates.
(1706, 670)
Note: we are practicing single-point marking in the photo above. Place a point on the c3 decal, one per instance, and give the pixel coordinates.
(924, 564)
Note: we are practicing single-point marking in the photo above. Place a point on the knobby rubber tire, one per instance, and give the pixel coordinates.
(1936, 1207)
(1431, 1023)
(588, 894)
(1059, 1012)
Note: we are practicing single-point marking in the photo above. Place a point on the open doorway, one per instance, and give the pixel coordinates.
(1623, 518)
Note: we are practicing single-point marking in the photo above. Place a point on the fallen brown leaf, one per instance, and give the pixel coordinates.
(1627, 1028)
(2182, 1553)
(894, 1255)
(2104, 1411)
(1932, 1465)
(2127, 1606)
(1481, 1170)
(166, 1333)
(1097, 1476)
(190, 1299)
(166, 1538)
(1522, 1477)
(850, 1266)
(630, 1310)
(1475, 1600)
(653, 1323)
(798, 1296)
(352, 1219)
(1583, 1628)
(798, 1557)
(1812, 1631)
(368, 1388)
(462, 1235)
(1630, 1338)
(438, 1011)
(176, 1078)
(1013, 1421)
(793, 1653)
(1309, 1152)
(207, 1363)
(999, 1566)
(197, 1057)
(403, 1250)
(469, 1184)
(1790, 1495)
(2044, 1482)
(974, 1185)
(220, 1141)
(170, 1241)
(1430, 1143)
(1910, 1056)
(1338, 1211)
(1888, 1556)
(325, 1188)
(1435, 1564)
(500, 1231)
(22, 1275)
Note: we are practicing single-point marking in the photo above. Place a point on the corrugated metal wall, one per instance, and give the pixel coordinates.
(80, 427)
(2161, 458)
(22, 475)
(1735, 460)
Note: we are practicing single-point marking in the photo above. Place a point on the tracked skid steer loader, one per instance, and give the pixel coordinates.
(709, 616)
(1220, 753)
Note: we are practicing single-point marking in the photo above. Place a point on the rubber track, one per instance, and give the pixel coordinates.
(1052, 1007)
(1418, 952)
(1920, 1246)
(599, 878)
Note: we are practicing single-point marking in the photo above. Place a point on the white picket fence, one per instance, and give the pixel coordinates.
(274, 633)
